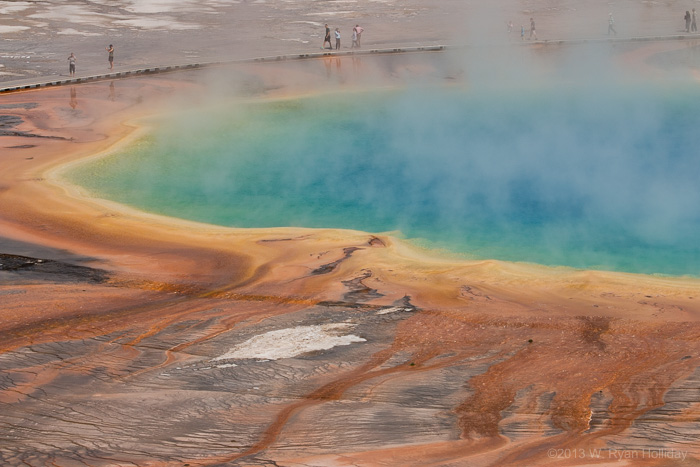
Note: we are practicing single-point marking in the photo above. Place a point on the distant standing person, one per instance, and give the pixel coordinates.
(693, 24)
(359, 30)
(337, 39)
(110, 57)
(522, 32)
(611, 25)
(354, 38)
(687, 21)
(533, 31)
(327, 38)
(510, 27)
(71, 64)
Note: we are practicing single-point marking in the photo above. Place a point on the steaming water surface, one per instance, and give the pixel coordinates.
(596, 178)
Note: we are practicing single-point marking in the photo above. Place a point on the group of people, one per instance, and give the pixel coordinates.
(690, 25)
(72, 60)
(356, 37)
(533, 30)
(690, 22)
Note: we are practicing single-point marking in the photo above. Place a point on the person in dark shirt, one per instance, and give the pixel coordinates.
(327, 38)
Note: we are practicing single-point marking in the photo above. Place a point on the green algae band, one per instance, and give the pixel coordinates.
(597, 178)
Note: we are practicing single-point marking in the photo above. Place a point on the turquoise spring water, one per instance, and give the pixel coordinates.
(593, 178)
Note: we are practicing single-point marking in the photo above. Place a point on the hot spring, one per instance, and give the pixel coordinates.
(596, 178)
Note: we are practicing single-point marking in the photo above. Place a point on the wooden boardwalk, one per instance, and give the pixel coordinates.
(21, 85)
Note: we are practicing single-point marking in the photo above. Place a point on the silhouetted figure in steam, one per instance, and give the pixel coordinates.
(533, 31)
(110, 57)
(611, 24)
(693, 22)
(687, 21)
(337, 39)
(522, 32)
(327, 38)
(71, 64)
(510, 27)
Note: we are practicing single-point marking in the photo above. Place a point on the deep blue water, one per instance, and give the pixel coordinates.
(593, 178)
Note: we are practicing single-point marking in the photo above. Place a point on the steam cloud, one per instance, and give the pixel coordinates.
(578, 166)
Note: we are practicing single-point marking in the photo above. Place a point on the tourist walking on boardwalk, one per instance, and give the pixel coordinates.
(337, 39)
(693, 24)
(533, 31)
(611, 24)
(354, 37)
(327, 38)
(71, 64)
(110, 57)
(359, 30)
(687, 21)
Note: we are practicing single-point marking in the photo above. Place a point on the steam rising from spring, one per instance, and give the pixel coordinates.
(598, 172)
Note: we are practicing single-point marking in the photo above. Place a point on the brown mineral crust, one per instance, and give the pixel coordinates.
(464, 363)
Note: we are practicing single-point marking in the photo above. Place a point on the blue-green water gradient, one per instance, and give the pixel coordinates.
(591, 178)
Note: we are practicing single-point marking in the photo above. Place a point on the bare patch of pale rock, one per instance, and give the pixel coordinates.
(288, 343)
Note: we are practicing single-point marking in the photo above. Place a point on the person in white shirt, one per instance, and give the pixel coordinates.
(71, 64)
